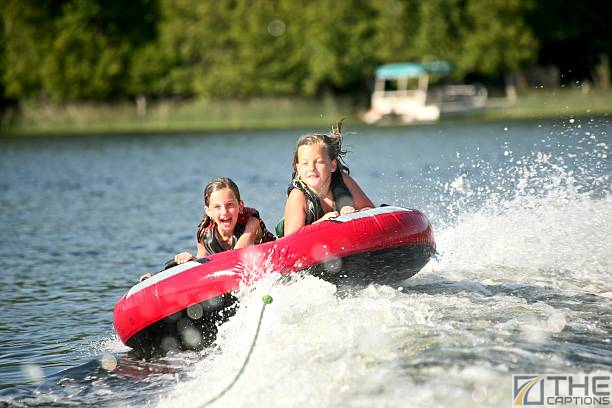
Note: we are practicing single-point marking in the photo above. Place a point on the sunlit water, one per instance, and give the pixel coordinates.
(522, 284)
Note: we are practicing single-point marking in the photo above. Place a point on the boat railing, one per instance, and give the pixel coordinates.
(413, 96)
(459, 97)
(409, 104)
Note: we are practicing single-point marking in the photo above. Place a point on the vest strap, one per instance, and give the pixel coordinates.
(340, 192)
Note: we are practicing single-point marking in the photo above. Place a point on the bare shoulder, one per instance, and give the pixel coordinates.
(296, 192)
(295, 211)
(296, 203)
(296, 196)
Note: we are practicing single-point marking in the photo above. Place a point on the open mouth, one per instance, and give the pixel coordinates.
(226, 222)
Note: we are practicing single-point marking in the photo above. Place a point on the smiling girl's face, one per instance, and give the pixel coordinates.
(314, 167)
(224, 207)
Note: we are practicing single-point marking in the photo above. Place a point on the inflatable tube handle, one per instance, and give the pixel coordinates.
(169, 264)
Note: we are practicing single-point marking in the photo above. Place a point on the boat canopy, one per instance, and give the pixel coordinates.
(411, 69)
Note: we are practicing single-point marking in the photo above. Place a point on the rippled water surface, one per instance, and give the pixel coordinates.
(522, 284)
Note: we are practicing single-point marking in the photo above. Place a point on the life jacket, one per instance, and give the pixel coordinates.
(340, 192)
(207, 231)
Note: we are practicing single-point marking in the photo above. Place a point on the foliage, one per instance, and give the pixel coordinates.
(71, 50)
(74, 50)
(574, 36)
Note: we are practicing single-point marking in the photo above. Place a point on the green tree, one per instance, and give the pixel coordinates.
(489, 37)
(575, 36)
(72, 49)
(439, 28)
(106, 49)
(245, 48)
(248, 58)
(166, 65)
(338, 39)
(395, 26)
(26, 28)
(83, 63)
(496, 38)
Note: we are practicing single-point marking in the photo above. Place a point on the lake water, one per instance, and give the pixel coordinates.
(522, 214)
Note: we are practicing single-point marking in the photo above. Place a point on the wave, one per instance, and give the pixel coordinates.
(523, 262)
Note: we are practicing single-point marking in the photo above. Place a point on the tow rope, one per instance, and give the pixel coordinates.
(266, 299)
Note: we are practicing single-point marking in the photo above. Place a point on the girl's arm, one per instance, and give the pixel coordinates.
(201, 251)
(186, 256)
(362, 202)
(295, 211)
(250, 234)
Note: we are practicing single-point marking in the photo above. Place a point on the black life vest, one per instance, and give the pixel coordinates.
(207, 235)
(340, 192)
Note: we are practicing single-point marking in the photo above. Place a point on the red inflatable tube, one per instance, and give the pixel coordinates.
(181, 307)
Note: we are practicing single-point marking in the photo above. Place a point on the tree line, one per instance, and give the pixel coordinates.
(72, 50)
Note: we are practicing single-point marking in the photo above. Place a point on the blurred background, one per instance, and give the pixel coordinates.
(151, 65)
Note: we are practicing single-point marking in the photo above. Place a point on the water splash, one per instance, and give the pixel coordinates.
(524, 262)
(542, 217)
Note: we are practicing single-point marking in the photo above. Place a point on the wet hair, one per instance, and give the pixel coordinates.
(217, 184)
(333, 145)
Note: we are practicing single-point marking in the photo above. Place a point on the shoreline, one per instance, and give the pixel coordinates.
(262, 114)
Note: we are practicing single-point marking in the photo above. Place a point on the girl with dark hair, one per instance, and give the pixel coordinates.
(227, 223)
